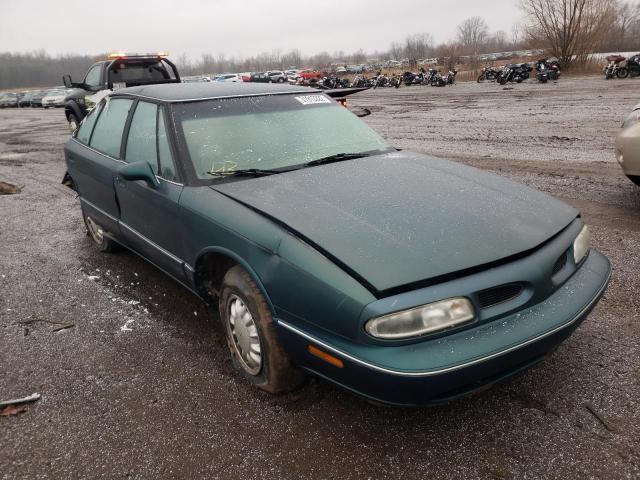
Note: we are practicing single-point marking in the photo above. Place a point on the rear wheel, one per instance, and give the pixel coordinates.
(481, 78)
(622, 72)
(251, 335)
(97, 234)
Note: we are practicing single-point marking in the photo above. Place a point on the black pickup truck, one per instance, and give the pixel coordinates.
(119, 71)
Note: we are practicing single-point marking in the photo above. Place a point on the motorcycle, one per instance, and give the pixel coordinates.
(613, 68)
(547, 69)
(515, 72)
(451, 77)
(442, 80)
(632, 69)
(396, 81)
(360, 81)
(489, 74)
(381, 81)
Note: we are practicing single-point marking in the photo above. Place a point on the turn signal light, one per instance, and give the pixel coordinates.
(316, 352)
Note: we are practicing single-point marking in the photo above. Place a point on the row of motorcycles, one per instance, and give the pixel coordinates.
(546, 69)
(622, 67)
(431, 77)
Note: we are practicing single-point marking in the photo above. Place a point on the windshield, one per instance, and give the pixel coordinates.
(270, 132)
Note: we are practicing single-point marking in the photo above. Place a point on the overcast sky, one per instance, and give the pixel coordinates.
(236, 27)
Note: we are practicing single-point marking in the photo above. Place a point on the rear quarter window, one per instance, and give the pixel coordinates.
(84, 132)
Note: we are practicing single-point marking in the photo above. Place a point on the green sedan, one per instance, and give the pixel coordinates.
(404, 278)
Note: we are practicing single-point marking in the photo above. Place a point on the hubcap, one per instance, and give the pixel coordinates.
(244, 335)
(95, 230)
(73, 125)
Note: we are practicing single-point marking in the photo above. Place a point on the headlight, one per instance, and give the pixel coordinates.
(80, 101)
(581, 245)
(632, 119)
(422, 320)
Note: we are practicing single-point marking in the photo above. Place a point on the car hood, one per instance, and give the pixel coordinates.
(401, 218)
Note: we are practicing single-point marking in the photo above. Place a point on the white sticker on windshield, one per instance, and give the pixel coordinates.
(119, 85)
(313, 99)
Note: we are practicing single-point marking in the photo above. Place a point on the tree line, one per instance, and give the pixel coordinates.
(566, 29)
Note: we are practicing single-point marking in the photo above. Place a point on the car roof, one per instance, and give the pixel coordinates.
(181, 92)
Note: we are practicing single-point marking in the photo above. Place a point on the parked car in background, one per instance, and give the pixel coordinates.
(56, 98)
(309, 76)
(36, 98)
(277, 76)
(628, 146)
(119, 71)
(257, 77)
(196, 79)
(9, 99)
(25, 100)
(404, 278)
(229, 77)
(292, 75)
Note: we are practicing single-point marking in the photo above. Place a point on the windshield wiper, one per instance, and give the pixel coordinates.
(338, 157)
(247, 172)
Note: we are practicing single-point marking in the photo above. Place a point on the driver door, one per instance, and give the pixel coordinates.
(149, 216)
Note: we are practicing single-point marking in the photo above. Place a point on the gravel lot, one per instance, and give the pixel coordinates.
(141, 386)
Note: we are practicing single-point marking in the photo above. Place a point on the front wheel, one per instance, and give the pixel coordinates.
(74, 122)
(622, 72)
(251, 335)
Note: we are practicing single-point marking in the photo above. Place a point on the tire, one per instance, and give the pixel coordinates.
(256, 351)
(95, 232)
(635, 179)
(481, 79)
(623, 72)
(503, 81)
(74, 123)
(281, 80)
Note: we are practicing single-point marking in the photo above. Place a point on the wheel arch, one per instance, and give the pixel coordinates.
(210, 267)
(72, 107)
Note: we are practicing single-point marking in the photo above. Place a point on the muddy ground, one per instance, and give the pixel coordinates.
(140, 385)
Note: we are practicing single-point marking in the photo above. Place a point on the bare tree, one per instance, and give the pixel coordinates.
(627, 23)
(569, 29)
(417, 47)
(472, 33)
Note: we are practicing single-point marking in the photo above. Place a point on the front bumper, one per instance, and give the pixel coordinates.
(628, 150)
(448, 367)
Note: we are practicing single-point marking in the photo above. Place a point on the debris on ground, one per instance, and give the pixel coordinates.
(59, 325)
(18, 405)
(10, 188)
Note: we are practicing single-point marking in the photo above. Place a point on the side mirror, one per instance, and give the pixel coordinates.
(66, 79)
(139, 171)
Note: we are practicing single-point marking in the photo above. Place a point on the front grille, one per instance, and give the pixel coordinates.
(560, 263)
(494, 296)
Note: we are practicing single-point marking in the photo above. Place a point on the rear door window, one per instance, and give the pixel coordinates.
(107, 134)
